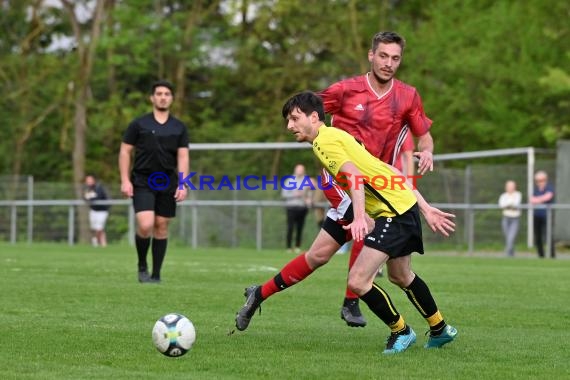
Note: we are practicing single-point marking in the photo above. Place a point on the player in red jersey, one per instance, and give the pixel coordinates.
(380, 111)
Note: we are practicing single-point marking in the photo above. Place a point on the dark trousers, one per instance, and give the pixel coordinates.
(540, 236)
(295, 221)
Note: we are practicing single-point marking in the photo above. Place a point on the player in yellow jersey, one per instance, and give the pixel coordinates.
(385, 213)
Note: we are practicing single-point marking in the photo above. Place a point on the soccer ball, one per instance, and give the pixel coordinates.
(173, 335)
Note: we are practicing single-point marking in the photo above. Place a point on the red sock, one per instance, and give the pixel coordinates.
(293, 272)
(354, 252)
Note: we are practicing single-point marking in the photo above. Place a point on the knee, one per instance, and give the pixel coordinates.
(144, 230)
(357, 285)
(160, 231)
(400, 279)
(316, 259)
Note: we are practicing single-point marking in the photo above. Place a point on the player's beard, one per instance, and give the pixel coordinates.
(162, 109)
(380, 79)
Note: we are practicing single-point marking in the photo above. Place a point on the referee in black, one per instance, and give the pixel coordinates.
(160, 145)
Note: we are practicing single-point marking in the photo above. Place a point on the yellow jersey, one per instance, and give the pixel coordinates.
(386, 193)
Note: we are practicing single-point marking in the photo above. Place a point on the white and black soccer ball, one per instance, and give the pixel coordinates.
(173, 335)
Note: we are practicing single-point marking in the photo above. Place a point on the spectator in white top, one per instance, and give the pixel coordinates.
(297, 195)
(510, 202)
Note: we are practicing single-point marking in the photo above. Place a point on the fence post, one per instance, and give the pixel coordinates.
(234, 216)
(71, 225)
(194, 227)
(471, 230)
(131, 219)
(467, 200)
(530, 192)
(13, 224)
(549, 242)
(181, 222)
(259, 228)
(30, 209)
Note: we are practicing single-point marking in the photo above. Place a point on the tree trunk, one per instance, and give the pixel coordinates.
(79, 152)
(86, 56)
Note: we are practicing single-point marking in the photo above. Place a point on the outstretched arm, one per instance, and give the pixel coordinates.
(436, 219)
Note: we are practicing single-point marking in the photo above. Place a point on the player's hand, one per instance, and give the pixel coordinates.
(180, 194)
(358, 228)
(127, 189)
(439, 221)
(425, 161)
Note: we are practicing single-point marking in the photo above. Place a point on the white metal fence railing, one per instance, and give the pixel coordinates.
(469, 186)
(198, 219)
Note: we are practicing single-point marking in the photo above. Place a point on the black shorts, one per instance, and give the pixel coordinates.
(399, 235)
(396, 236)
(335, 229)
(161, 202)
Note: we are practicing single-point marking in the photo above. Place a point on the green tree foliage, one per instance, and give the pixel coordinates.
(480, 65)
(34, 87)
(492, 74)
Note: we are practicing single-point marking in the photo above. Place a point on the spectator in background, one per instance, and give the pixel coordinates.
(297, 195)
(98, 213)
(510, 202)
(543, 195)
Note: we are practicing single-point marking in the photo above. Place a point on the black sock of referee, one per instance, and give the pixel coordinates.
(419, 295)
(142, 245)
(158, 253)
(380, 303)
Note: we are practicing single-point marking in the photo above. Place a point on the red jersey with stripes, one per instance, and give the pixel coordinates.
(407, 145)
(339, 199)
(381, 123)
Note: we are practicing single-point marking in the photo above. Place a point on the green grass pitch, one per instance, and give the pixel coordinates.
(79, 313)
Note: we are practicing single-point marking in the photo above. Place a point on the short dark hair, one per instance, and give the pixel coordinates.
(308, 102)
(162, 83)
(387, 38)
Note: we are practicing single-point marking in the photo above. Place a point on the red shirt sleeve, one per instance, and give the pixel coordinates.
(332, 190)
(332, 98)
(407, 146)
(417, 120)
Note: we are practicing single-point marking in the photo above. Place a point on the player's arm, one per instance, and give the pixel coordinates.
(436, 219)
(420, 125)
(408, 158)
(425, 153)
(183, 159)
(359, 226)
(332, 98)
(125, 154)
